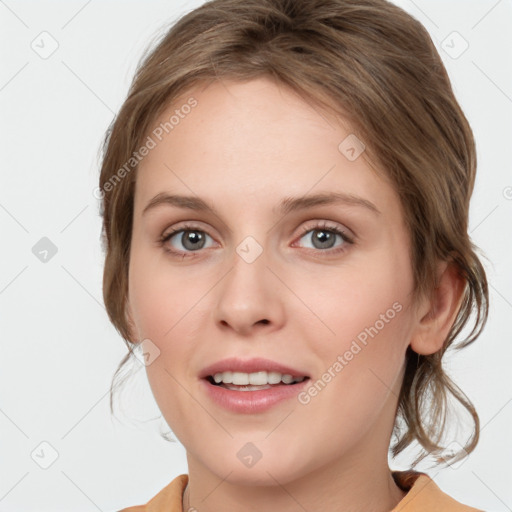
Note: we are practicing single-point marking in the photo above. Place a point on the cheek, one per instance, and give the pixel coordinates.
(366, 328)
(359, 301)
(159, 296)
(166, 305)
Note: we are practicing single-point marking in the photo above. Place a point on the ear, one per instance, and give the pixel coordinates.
(437, 314)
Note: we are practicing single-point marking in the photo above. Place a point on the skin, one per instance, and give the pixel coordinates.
(243, 148)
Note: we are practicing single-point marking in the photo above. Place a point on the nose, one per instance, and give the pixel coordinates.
(249, 297)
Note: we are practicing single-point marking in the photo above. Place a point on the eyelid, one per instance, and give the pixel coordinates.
(170, 232)
(312, 225)
(190, 225)
(326, 224)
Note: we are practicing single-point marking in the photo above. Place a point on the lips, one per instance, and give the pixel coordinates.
(251, 399)
(250, 366)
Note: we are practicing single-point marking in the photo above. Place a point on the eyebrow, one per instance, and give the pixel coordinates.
(287, 205)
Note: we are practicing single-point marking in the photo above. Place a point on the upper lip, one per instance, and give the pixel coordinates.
(253, 365)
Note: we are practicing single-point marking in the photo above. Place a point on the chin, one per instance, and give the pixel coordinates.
(267, 471)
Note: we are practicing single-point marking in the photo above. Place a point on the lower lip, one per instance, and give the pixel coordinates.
(252, 401)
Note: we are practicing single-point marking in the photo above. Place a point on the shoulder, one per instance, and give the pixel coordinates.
(169, 499)
(424, 495)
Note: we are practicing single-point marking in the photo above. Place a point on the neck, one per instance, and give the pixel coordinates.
(357, 485)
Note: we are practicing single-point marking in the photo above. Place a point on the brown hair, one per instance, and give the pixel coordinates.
(375, 64)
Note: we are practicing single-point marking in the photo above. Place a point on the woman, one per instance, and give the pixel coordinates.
(285, 205)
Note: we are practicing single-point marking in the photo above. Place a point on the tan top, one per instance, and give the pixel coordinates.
(423, 495)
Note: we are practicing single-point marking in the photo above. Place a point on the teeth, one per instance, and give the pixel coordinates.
(226, 377)
(287, 379)
(274, 377)
(255, 379)
(240, 379)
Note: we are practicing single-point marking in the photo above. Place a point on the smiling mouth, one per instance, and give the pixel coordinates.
(256, 381)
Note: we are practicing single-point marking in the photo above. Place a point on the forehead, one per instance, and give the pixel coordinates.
(257, 139)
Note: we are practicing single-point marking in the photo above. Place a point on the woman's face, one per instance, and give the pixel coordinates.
(261, 275)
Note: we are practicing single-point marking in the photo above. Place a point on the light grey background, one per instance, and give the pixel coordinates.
(59, 350)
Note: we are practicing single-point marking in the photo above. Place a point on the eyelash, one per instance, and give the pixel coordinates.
(317, 227)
